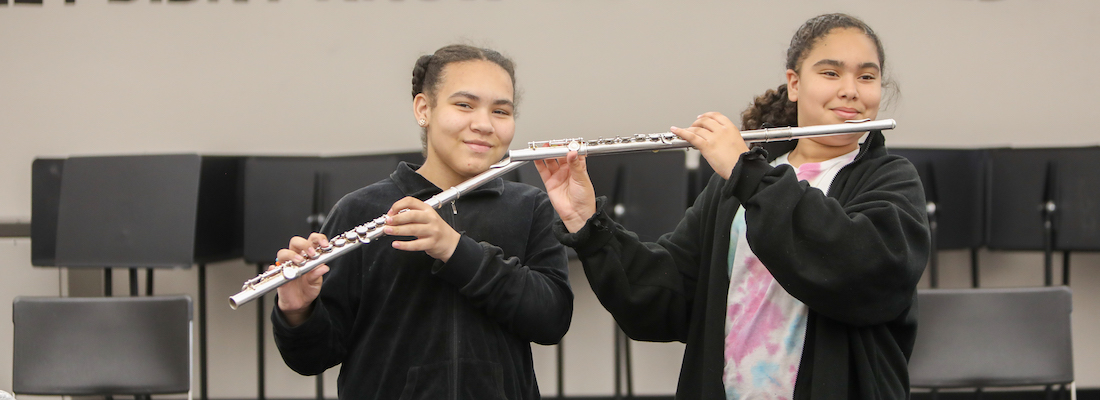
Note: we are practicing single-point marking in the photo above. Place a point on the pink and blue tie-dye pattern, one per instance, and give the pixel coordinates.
(765, 326)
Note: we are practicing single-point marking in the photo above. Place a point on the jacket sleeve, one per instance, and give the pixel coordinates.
(530, 297)
(648, 287)
(858, 260)
(321, 342)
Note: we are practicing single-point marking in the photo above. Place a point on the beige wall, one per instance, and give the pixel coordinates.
(332, 77)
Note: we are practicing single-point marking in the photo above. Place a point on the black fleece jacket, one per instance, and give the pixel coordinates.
(853, 257)
(406, 326)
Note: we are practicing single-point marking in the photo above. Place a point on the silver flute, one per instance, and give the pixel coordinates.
(287, 271)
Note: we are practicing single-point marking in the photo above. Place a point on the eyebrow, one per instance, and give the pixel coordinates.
(473, 97)
(840, 64)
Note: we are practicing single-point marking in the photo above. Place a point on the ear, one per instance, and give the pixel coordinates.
(792, 85)
(421, 108)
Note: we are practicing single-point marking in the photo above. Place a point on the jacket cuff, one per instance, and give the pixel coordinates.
(311, 327)
(595, 233)
(747, 174)
(463, 264)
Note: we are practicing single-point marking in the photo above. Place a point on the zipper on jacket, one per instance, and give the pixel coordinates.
(454, 313)
(454, 216)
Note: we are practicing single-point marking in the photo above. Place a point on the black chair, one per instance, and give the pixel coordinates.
(148, 211)
(102, 345)
(1004, 337)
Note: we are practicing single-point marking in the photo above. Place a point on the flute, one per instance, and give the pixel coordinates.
(289, 270)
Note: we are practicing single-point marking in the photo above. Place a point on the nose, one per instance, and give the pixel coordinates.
(848, 88)
(482, 123)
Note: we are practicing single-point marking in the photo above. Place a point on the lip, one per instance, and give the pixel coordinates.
(478, 146)
(846, 113)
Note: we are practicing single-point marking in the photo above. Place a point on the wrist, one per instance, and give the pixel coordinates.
(573, 225)
(578, 220)
(295, 317)
(449, 250)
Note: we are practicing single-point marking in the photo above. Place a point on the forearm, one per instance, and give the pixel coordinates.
(310, 347)
(533, 299)
(856, 262)
(647, 287)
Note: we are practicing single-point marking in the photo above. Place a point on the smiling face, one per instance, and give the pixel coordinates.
(840, 79)
(470, 121)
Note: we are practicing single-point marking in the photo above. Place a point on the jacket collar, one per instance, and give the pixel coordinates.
(413, 184)
(873, 145)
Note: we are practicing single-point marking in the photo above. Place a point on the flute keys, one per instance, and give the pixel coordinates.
(340, 242)
(290, 272)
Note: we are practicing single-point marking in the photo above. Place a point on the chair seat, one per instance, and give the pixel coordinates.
(103, 345)
(992, 337)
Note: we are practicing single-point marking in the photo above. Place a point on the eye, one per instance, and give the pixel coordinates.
(868, 77)
(501, 111)
(464, 105)
(830, 73)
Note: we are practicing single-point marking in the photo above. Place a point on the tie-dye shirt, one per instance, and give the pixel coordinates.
(766, 326)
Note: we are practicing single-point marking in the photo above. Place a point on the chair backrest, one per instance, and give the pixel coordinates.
(992, 337)
(102, 345)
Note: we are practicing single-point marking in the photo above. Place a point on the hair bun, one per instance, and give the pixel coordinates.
(773, 108)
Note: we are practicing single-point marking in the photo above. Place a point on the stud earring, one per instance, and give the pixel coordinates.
(422, 122)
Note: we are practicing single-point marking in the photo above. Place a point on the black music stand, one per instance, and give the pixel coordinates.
(698, 179)
(1028, 198)
(274, 213)
(1077, 217)
(647, 194)
(954, 187)
(150, 211)
(45, 202)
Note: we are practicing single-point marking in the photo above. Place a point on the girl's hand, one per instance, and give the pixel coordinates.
(296, 297)
(569, 188)
(718, 140)
(412, 217)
